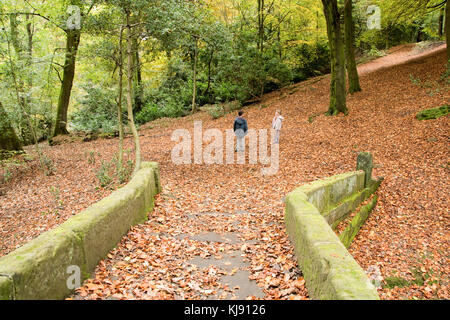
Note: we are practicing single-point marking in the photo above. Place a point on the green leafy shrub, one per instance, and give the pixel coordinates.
(98, 112)
(148, 113)
(104, 175)
(110, 174)
(216, 112)
(278, 75)
(309, 60)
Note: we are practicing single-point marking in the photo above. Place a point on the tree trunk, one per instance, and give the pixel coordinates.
(72, 43)
(261, 25)
(25, 58)
(447, 32)
(8, 137)
(419, 35)
(280, 47)
(352, 71)
(194, 93)
(30, 34)
(131, 123)
(119, 102)
(138, 100)
(441, 22)
(209, 72)
(338, 77)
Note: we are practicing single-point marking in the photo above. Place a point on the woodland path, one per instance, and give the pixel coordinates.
(217, 225)
(218, 231)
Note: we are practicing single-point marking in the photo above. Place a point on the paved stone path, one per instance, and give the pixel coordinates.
(233, 262)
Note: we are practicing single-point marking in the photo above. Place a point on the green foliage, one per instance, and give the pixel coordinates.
(434, 113)
(48, 165)
(216, 111)
(98, 112)
(111, 174)
(56, 195)
(310, 60)
(148, 113)
(374, 52)
(392, 282)
(231, 65)
(11, 162)
(90, 155)
(419, 280)
(103, 175)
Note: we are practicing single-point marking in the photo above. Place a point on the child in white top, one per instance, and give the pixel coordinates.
(276, 125)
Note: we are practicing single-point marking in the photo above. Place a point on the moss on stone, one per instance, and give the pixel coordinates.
(329, 270)
(326, 193)
(38, 270)
(6, 288)
(355, 225)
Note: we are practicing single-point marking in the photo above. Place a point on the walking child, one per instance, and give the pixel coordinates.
(276, 125)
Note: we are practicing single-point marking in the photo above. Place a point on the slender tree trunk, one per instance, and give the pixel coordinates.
(194, 93)
(138, 97)
(441, 22)
(72, 43)
(280, 47)
(260, 43)
(8, 137)
(131, 123)
(447, 32)
(119, 102)
(338, 76)
(352, 71)
(30, 34)
(209, 71)
(419, 35)
(23, 57)
(259, 25)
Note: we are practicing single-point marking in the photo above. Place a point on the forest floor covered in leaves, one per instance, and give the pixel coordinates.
(406, 237)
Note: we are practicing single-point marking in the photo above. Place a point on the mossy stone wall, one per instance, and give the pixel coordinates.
(39, 269)
(330, 271)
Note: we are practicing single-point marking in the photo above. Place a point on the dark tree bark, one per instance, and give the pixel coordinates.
(194, 91)
(72, 43)
(352, 71)
(138, 97)
(211, 55)
(8, 137)
(337, 50)
(261, 25)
